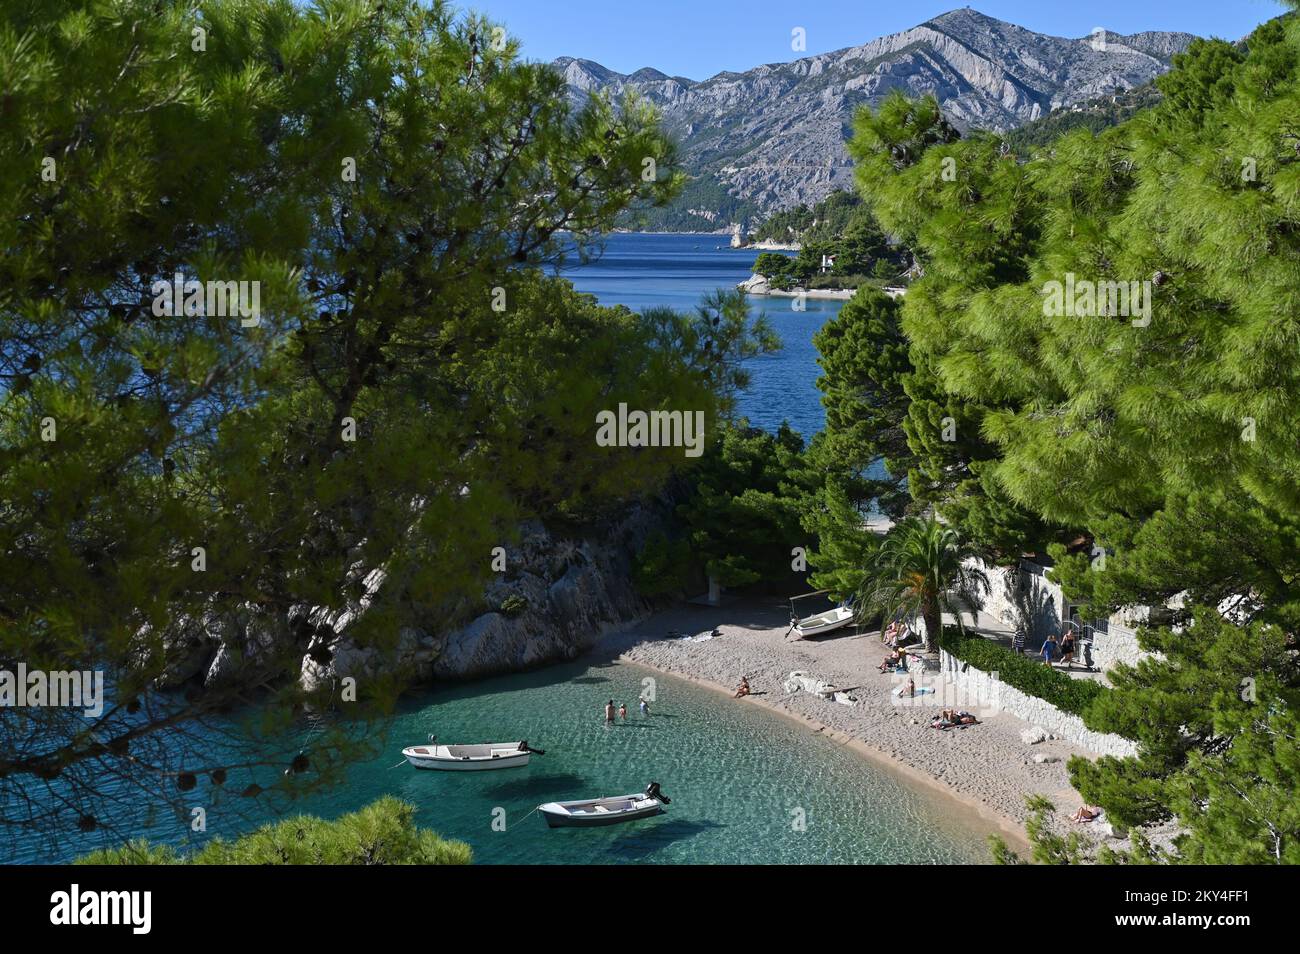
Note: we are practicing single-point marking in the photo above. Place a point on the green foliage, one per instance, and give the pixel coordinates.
(920, 570)
(742, 518)
(1066, 423)
(382, 833)
(1167, 435)
(778, 269)
(704, 192)
(662, 565)
(826, 221)
(1216, 716)
(1094, 115)
(864, 359)
(840, 226)
(382, 413)
(918, 178)
(1079, 696)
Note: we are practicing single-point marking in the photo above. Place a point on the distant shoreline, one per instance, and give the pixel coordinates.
(758, 285)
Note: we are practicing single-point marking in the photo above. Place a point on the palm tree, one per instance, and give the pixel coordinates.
(920, 569)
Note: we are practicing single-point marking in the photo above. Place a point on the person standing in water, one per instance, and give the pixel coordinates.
(609, 712)
(622, 711)
(645, 706)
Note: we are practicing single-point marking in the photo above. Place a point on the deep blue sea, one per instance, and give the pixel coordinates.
(641, 270)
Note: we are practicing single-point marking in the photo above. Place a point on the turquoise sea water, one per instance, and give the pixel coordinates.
(639, 271)
(740, 779)
(748, 786)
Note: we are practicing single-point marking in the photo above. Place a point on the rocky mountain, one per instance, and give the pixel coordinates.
(773, 137)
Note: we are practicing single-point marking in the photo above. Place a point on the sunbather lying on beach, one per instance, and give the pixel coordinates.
(951, 718)
(1086, 813)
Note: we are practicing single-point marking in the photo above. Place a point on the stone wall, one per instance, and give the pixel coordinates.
(982, 689)
(1023, 596)
(1115, 641)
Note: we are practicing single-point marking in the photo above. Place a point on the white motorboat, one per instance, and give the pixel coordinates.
(825, 622)
(595, 812)
(470, 758)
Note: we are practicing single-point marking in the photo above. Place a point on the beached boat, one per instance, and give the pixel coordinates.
(825, 622)
(470, 758)
(594, 812)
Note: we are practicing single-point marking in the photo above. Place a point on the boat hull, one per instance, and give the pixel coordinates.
(593, 820)
(423, 758)
(825, 623)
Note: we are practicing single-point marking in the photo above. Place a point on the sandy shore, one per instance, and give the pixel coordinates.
(986, 767)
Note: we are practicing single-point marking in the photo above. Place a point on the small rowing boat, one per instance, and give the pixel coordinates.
(595, 812)
(470, 758)
(825, 622)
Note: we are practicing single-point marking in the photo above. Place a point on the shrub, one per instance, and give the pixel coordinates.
(382, 833)
(661, 566)
(1024, 673)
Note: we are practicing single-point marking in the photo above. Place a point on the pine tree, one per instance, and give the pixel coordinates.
(392, 177)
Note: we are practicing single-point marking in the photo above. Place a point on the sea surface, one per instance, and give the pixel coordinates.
(641, 270)
(748, 786)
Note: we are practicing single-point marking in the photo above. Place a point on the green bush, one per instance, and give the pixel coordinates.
(382, 833)
(839, 281)
(1026, 674)
(661, 566)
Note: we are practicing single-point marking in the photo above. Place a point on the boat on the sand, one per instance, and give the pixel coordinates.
(818, 623)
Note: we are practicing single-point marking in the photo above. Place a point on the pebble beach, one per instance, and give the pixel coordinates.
(986, 767)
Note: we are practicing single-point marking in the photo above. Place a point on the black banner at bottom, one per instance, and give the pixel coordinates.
(954, 903)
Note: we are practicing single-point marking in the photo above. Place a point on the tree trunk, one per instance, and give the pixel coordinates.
(933, 625)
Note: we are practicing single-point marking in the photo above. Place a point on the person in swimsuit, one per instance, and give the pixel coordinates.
(609, 712)
(622, 711)
(1086, 813)
(1067, 647)
(743, 688)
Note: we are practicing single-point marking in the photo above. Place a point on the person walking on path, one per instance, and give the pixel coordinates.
(1049, 649)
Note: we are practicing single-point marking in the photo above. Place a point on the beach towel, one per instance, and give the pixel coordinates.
(920, 690)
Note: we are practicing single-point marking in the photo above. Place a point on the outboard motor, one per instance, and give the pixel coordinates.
(652, 791)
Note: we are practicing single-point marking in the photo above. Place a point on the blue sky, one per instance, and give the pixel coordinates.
(697, 38)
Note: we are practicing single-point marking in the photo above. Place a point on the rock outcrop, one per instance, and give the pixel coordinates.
(558, 594)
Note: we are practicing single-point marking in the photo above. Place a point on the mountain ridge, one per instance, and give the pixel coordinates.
(772, 137)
